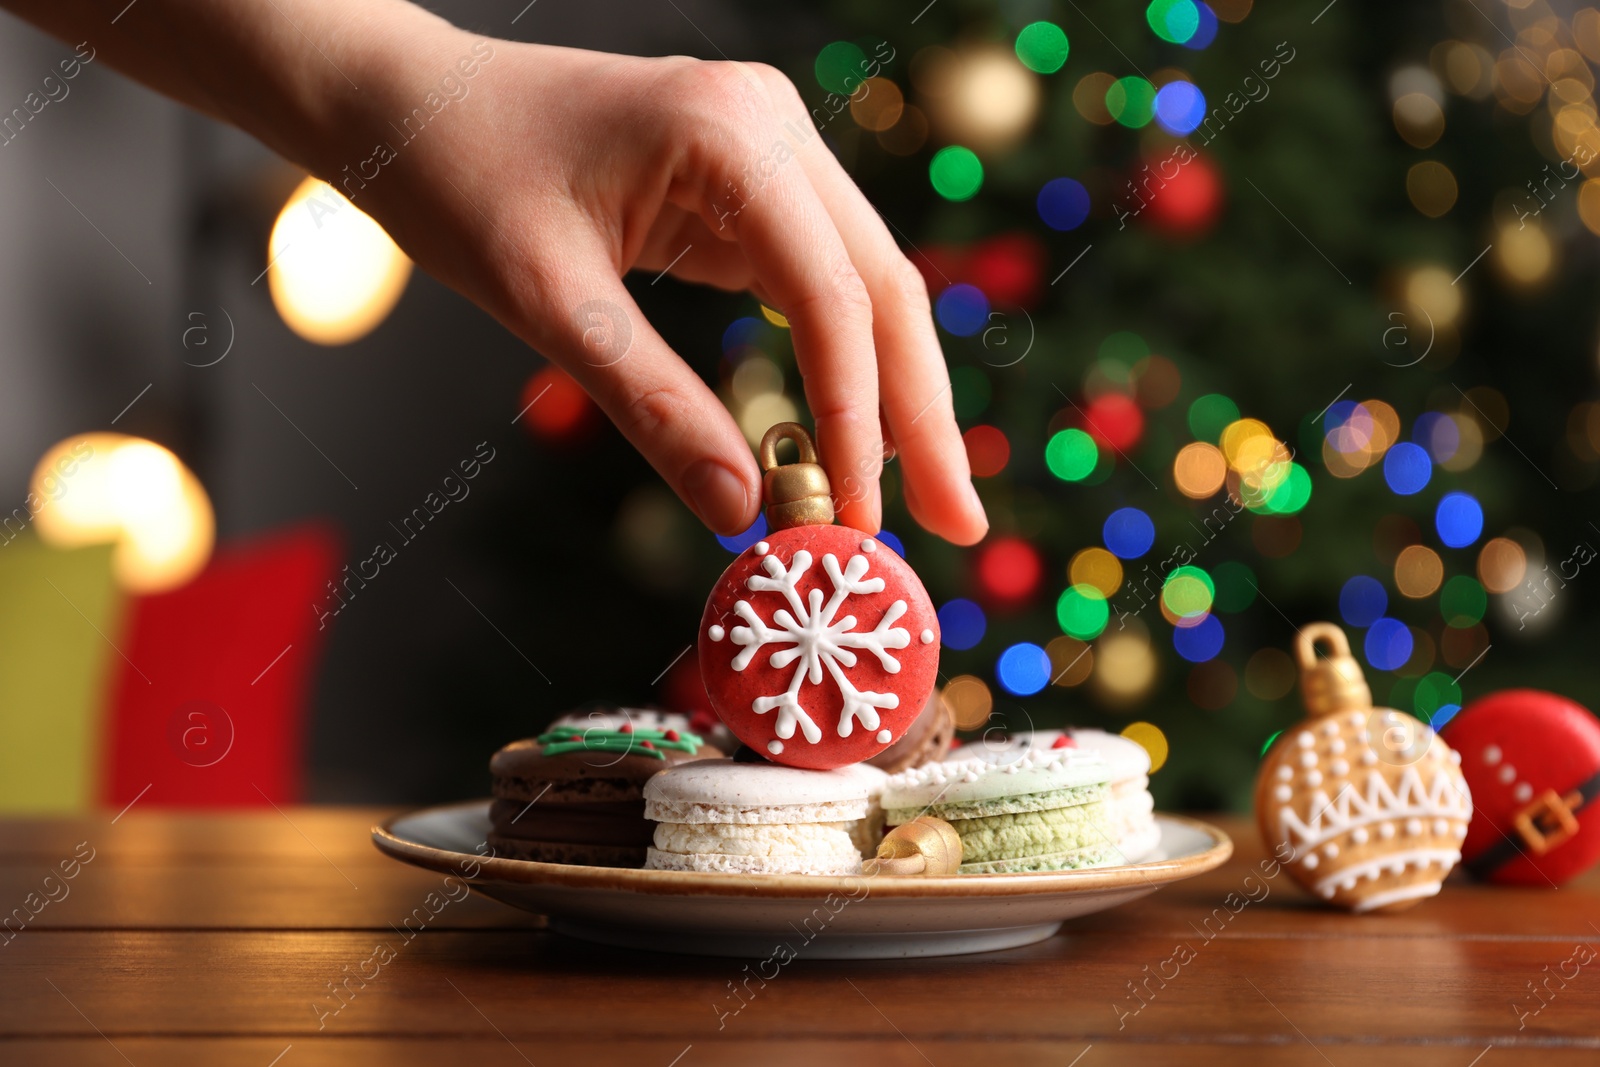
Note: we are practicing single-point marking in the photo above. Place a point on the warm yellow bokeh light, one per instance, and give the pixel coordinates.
(993, 99)
(1523, 253)
(1151, 739)
(1418, 119)
(1199, 470)
(1124, 667)
(774, 317)
(762, 412)
(877, 104)
(1098, 568)
(1418, 570)
(1502, 564)
(130, 492)
(1431, 187)
(334, 273)
(1431, 291)
(1071, 661)
(969, 700)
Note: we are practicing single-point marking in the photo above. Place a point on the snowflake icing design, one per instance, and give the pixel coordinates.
(818, 641)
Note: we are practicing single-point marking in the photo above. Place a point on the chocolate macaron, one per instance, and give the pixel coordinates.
(576, 795)
(926, 740)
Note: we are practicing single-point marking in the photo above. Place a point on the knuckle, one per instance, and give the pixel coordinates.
(651, 411)
(724, 95)
(908, 284)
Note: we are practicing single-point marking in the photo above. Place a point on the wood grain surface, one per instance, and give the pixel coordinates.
(213, 939)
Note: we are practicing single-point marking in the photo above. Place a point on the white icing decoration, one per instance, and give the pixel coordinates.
(1336, 746)
(1330, 729)
(774, 747)
(716, 633)
(1356, 718)
(1441, 827)
(1508, 774)
(1310, 861)
(1358, 836)
(869, 545)
(1330, 850)
(1304, 740)
(1313, 778)
(1455, 757)
(884, 737)
(1523, 792)
(818, 642)
(1340, 767)
(1413, 891)
(1285, 773)
(1327, 892)
(1369, 757)
(1491, 755)
(1412, 801)
(1308, 759)
(1461, 829)
(1283, 792)
(927, 637)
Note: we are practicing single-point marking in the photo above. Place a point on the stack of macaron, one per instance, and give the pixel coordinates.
(1046, 810)
(1132, 808)
(575, 794)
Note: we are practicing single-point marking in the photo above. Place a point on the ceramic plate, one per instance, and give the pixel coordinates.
(820, 917)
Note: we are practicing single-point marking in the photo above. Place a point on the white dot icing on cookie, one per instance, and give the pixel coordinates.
(884, 737)
(1339, 766)
(1386, 831)
(1308, 759)
(1441, 826)
(1285, 774)
(1369, 757)
(1508, 774)
(1310, 861)
(1330, 729)
(1283, 792)
(1358, 836)
(927, 637)
(762, 548)
(869, 545)
(1336, 746)
(1491, 755)
(1356, 718)
(774, 747)
(1304, 740)
(1330, 850)
(716, 633)
(1523, 792)
(1366, 737)
(1455, 757)
(1413, 827)
(1313, 778)
(1461, 829)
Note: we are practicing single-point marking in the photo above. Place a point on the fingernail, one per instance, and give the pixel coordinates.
(718, 496)
(977, 502)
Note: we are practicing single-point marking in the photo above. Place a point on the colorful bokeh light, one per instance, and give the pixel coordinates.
(956, 173)
(1200, 642)
(1042, 47)
(1362, 601)
(1071, 455)
(962, 624)
(962, 309)
(1083, 611)
(1023, 669)
(1063, 204)
(1129, 533)
(1459, 520)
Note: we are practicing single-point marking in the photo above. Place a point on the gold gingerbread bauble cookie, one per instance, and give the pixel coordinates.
(1368, 804)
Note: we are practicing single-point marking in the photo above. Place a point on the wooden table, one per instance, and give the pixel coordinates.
(213, 939)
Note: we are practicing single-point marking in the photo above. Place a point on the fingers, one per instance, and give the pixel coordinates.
(591, 326)
(912, 377)
(801, 263)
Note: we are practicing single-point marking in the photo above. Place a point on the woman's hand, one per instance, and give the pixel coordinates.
(531, 178)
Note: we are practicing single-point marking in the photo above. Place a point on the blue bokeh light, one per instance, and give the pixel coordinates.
(1129, 533)
(1388, 644)
(1063, 204)
(1407, 468)
(1438, 433)
(1023, 669)
(962, 624)
(1443, 714)
(1362, 601)
(1336, 416)
(740, 542)
(1180, 107)
(1459, 520)
(1206, 31)
(741, 332)
(963, 309)
(893, 542)
(1200, 642)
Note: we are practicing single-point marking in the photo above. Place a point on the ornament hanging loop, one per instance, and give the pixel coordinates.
(1335, 683)
(797, 494)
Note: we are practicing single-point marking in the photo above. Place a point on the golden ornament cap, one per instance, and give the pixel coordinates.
(925, 846)
(797, 494)
(1334, 682)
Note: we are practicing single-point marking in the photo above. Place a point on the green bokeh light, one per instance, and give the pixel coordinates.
(956, 173)
(840, 67)
(1131, 101)
(1188, 592)
(1125, 346)
(1290, 495)
(1042, 47)
(1083, 612)
(1173, 20)
(1209, 415)
(1462, 602)
(1071, 455)
(1434, 691)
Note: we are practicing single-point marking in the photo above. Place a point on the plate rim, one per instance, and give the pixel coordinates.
(1151, 874)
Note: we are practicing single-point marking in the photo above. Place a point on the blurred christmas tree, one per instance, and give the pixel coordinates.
(1240, 336)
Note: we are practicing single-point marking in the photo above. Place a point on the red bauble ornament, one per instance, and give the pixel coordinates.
(1189, 202)
(1532, 761)
(819, 645)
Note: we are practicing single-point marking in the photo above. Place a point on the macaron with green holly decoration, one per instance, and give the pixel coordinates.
(575, 794)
